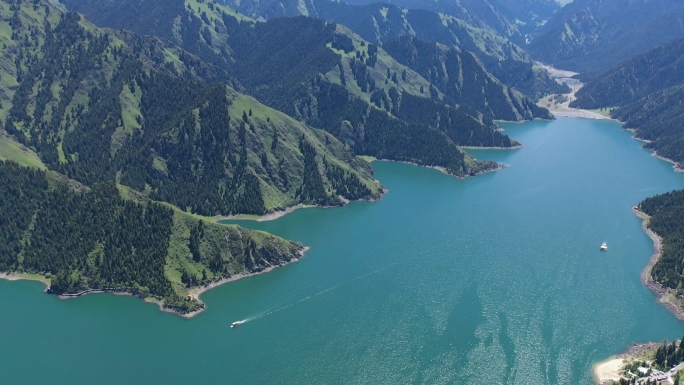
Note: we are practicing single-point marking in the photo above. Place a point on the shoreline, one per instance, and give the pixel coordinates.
(675, 164)
(517, 147)
(281, 213)
(664, 294)
(607, 371)
(195, 293)
(26, 277)
(500, 166)
(198, 291)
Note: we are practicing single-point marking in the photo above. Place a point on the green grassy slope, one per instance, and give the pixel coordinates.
(299, 61)
(94, 240)
(97, 105)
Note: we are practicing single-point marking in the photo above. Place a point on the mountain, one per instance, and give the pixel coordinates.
(528, 15)
(590, 36)
(126, 141)
(654, 71)
(380, 23)
(94, 240)
(321, 74)
(203, 147)
(649, 91)
(463, 81)
(482, 14)
(511, 18)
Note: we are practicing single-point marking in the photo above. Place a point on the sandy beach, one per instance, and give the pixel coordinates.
(605, 372)
(25, 277)
(268, 217)
(608, 370)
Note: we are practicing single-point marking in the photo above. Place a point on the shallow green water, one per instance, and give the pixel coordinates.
(493, 279)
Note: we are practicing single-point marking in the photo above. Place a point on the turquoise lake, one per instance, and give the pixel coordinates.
(495, 279)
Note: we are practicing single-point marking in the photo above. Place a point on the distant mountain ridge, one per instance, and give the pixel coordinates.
(380, 23)
(590, 36)
(458, 75)
(326, 77)
(635, 78)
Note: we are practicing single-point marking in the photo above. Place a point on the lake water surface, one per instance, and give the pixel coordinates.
(493, 279)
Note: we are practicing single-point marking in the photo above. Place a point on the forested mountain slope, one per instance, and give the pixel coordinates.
(95, 240)
(326, 76)
(463, 81)
(666, 212)
(379, 23)
(114, 121)
(654, 71)
(590, 36)
(98, 106)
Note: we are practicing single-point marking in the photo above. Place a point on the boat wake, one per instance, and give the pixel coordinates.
(275, 309)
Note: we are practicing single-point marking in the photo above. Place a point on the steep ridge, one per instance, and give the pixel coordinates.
(110, 121)
(589, 36)
(301, 77)
(199, 146)
(462, 80)
(654, 71)
(380, 23)
(481, 14)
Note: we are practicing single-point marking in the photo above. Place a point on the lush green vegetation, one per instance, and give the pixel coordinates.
(119, 130)
(636, 78)
(96, 240)
(666, 212)
(317, 78)
(661, 357)
(98, 107)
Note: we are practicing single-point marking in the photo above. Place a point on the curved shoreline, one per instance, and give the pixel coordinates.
(194, 292)
(664, 293)
(26, 277)
(198, 291)
(603, 369)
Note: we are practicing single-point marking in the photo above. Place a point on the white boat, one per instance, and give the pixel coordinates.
(604, 247)
(236, 324)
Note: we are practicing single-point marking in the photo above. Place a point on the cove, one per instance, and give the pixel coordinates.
(492, 279)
